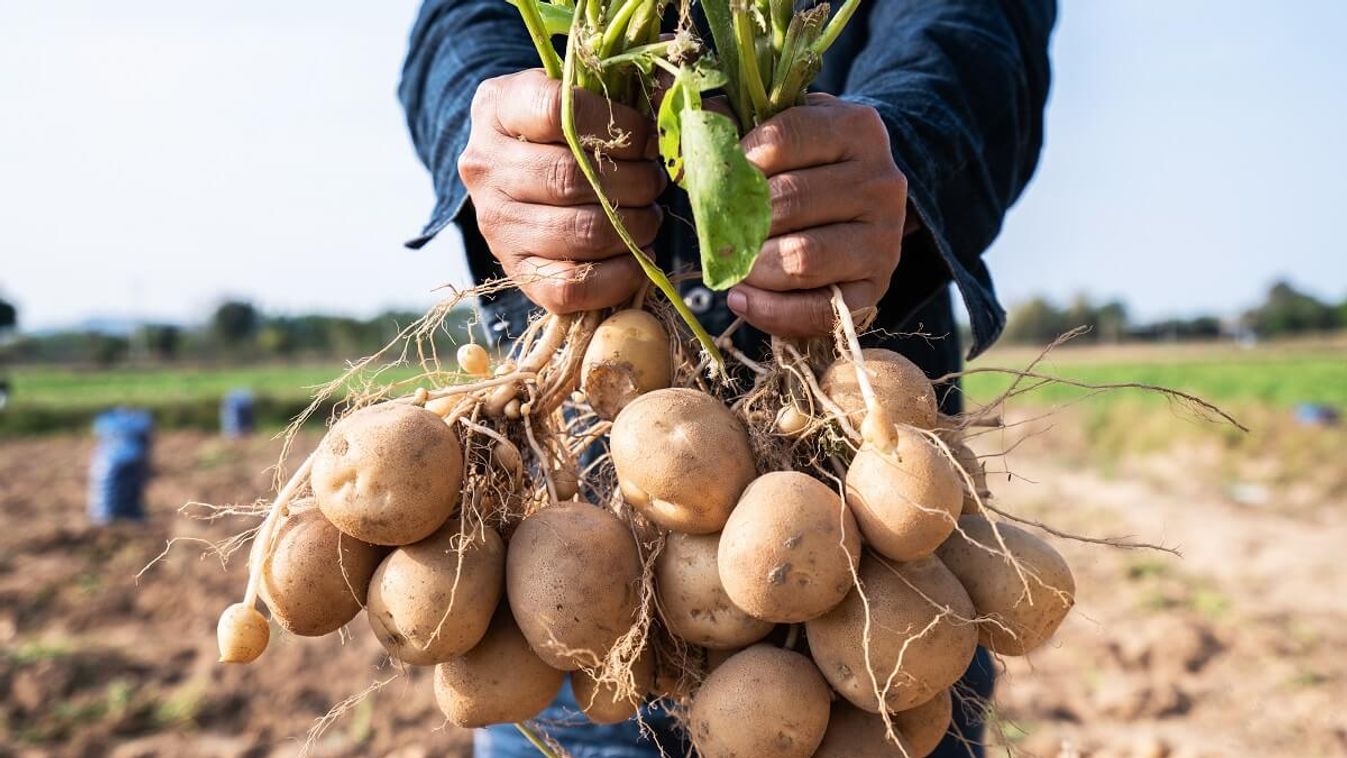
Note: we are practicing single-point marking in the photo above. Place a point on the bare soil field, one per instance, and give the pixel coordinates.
(1232, 650)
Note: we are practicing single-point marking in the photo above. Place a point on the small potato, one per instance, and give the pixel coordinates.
(433, 600)
(692, 601)
(388, 474)
(906, 503)
(921, 636)
(682, 459)
(1018, 621)
(899, 385)
(573, 577)
(764, 701)
(500, 681)
(628, 356)
(788, 548)
(853, 733)
(316, 578)
(602, 702)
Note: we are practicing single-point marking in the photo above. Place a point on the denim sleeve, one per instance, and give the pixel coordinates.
(961, 86)
(455, 46)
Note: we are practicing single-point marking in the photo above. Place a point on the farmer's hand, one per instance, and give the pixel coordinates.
(839, 205)
(537, 211)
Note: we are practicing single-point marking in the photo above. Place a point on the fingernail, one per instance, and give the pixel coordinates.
(737, 301)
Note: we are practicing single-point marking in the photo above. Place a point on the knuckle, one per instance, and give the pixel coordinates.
(569, 295)
(547, 106)
(788, 195)
(484, 98)
(801, 255)
(587, 230)
(563, 178)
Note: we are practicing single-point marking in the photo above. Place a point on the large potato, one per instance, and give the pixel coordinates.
(628, 356)
(764, 701)
(853, 733)
(682, 459)
(604, 703)
(1021, 613)
(788, 549)
(906, 502)
(899, 385)
(388, 474)
(433, 600)
(921, 635)
(573, 577)
(500, 681)
(316, 578)
(692, 601)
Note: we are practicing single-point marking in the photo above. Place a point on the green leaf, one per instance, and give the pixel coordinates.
(731, 202)
(668, 122)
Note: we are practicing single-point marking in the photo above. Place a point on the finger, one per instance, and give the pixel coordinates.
(528, 106)
(792, 140)
(813, 258)
(810, 197)
(580, 232)
(550, 175)
(571, 286)
(801, 313)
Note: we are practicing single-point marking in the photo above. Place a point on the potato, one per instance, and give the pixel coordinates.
(998, 592)
(969, 462)
(500, 681)
(573, 578)
(682, 459)
(921, 638)
(600, 700)
(692, 601)
(410, 608)
(906, 502)
(242, 634)
(853, 733)
(765, 701)
(388, 474)
(628, 356)
(788, 549)
(899, 385)
(316, 578)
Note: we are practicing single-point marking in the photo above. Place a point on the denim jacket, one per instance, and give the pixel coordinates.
(960, 84)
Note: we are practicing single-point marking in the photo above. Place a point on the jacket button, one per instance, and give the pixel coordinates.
(699, 300)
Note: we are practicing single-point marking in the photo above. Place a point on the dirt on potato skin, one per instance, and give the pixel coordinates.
(95, 663)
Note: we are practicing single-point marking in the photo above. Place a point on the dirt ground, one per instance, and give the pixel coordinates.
(1233, 649)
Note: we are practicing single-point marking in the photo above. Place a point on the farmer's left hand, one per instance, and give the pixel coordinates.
(839, 206)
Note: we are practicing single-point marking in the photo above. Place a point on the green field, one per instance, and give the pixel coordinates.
(1274, 376)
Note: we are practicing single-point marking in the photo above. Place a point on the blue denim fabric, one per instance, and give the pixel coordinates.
(564, 722)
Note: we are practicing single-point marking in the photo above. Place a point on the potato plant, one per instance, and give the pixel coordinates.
(805, 565)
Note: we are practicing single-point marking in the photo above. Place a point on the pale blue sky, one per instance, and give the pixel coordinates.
(156, 156)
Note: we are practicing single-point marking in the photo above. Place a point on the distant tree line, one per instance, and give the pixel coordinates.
(1284, 312)
(235, 332)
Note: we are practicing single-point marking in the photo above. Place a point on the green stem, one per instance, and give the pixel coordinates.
(748, 62)
(834, 27)
(782, 11)
(533, 20)
(652, 271)
(655, 50)
(719, 20)
(537, 741)
(556, 19)
(617, 27)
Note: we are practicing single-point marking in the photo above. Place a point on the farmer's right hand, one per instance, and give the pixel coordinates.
(535, 208)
